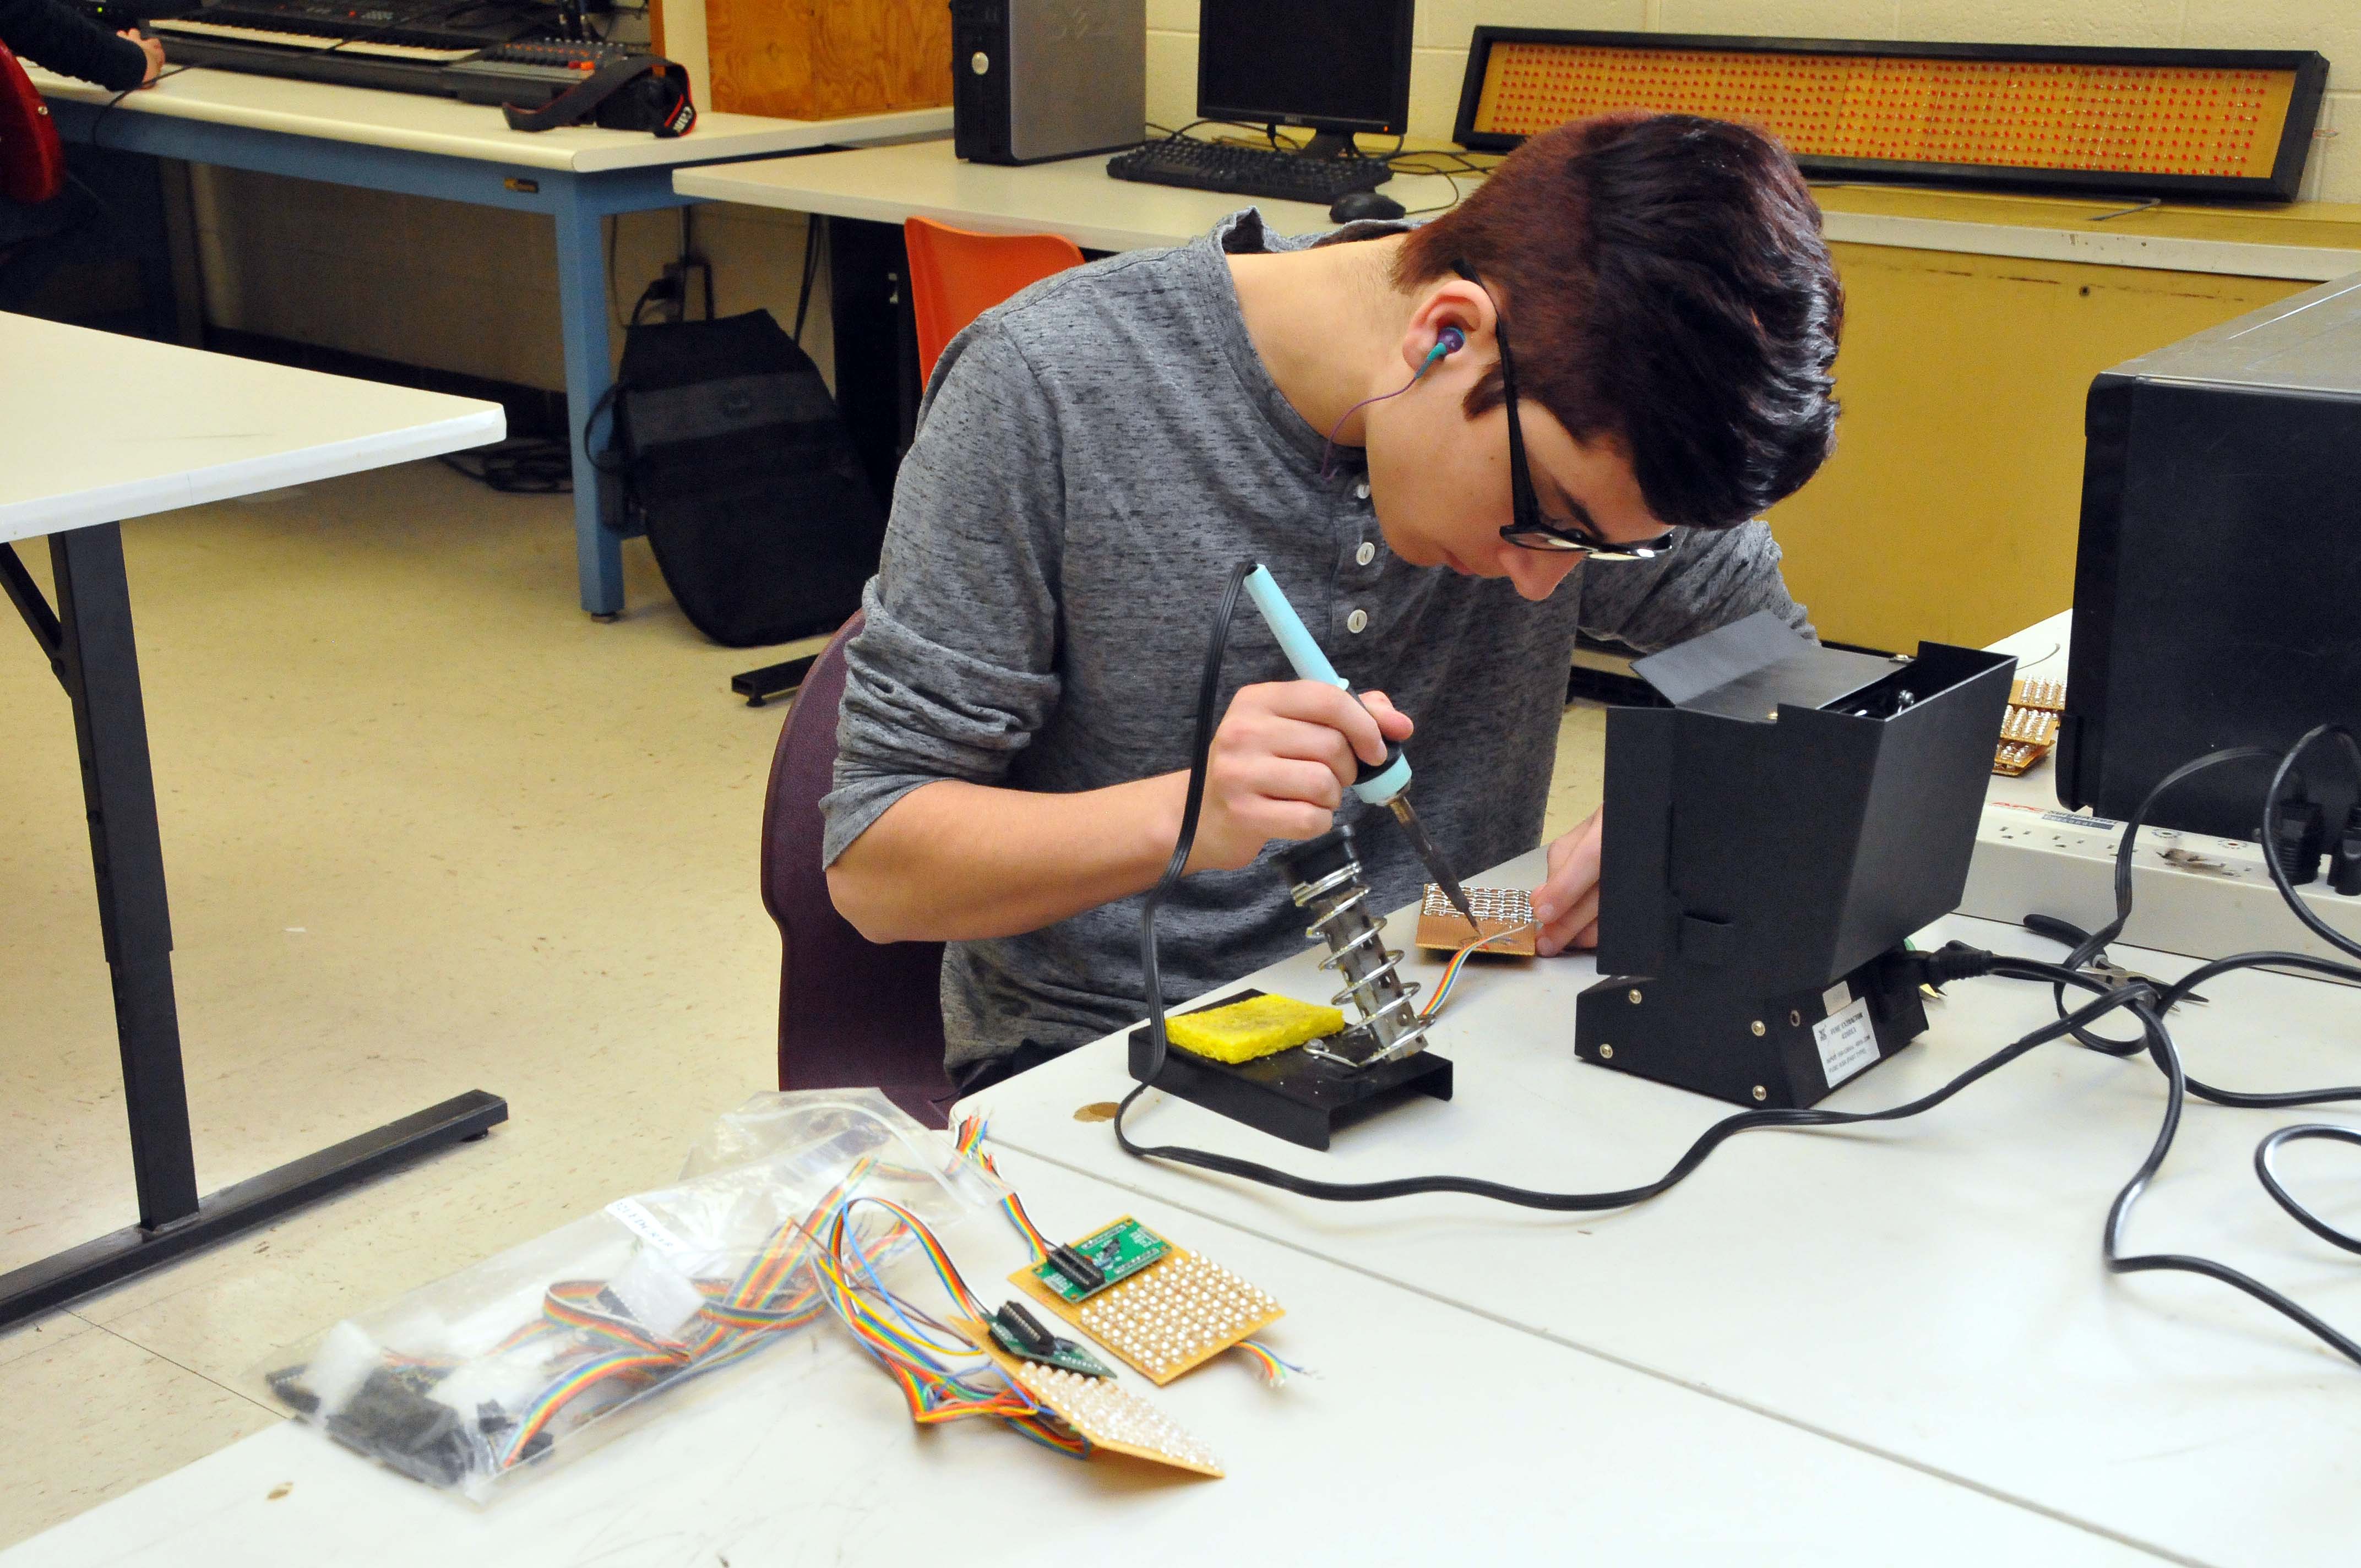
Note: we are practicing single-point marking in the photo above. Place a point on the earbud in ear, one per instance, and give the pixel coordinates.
(1450, 340)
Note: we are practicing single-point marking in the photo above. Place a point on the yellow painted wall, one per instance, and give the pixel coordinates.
(1950, 509)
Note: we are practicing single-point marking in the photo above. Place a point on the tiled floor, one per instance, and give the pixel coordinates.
(427, 829)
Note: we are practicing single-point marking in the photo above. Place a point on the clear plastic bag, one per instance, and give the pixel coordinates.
(501, 1367)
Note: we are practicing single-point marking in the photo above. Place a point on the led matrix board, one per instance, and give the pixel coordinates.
(2204, 123)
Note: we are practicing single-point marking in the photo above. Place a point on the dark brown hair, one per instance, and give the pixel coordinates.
(1665, 284)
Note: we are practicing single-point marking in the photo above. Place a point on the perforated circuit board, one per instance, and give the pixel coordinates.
(2030, 727)
(1109, 1415)
(1496, 909)
(1176, 1313)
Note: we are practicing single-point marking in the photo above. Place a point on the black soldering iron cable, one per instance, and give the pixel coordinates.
(2144, 1001)
(1208, 693)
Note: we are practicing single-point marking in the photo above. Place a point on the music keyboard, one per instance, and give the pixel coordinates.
(392, 48)
(170, 28)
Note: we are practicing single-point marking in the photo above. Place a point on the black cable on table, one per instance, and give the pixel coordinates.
(1208, 693)
(2147, 1002)
(107, 108)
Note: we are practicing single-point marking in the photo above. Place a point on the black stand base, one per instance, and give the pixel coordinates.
(55, 1280)
(1292, 1094)
(1330, 144)
(759, 686)
(1784, 1052)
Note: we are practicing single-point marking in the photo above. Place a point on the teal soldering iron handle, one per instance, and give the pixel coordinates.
(1378, 783)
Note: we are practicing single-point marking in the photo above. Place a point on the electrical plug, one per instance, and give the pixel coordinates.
(2344, 861)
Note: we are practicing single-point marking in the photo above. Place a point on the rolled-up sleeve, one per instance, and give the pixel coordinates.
(954, 670)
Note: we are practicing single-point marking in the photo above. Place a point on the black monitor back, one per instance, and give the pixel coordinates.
(2217, 588)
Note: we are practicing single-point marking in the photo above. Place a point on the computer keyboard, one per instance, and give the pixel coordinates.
(1248, 170)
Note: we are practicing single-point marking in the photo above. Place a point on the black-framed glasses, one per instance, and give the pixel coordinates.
(1528, 531)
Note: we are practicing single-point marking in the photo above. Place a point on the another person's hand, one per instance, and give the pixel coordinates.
(1566, 906)
(1280, 762)
(152, 47)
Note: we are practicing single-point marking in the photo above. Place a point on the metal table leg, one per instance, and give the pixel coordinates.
(88, 641)
(582, 313)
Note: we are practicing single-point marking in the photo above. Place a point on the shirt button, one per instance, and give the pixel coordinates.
(1357, 622)
(1361, 491)
(1364, 555)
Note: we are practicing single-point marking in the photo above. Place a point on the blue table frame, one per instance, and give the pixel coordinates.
(574, 202)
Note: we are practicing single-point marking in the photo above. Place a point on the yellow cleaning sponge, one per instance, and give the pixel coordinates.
(1257, 1026)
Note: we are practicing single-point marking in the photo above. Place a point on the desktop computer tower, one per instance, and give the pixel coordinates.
(1037, 80)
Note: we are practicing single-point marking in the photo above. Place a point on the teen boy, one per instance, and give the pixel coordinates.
(1553, 409)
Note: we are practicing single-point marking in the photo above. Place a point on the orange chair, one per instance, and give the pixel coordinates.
(956, 276)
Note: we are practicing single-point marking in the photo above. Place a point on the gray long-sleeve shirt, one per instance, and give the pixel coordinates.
(1092, 457)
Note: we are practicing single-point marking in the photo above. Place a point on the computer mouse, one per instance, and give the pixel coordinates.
(1357, 204)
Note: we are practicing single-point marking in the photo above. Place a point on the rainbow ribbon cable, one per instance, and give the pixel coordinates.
(771, 1296)
(917, 1352)
(968, 1138)
(1459, 961)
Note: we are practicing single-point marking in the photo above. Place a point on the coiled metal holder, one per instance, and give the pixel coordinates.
(1306, 1092)
(1327, 882)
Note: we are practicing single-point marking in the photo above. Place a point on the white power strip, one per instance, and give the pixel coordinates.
(2200, 896)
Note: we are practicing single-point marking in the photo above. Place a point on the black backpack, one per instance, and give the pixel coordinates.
(738, 465)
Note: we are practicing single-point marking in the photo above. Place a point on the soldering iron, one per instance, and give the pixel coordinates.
(1385, 783)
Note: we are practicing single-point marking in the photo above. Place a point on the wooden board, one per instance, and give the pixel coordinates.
(822, 59)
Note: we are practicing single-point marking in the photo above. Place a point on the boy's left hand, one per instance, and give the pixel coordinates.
(1566, 902)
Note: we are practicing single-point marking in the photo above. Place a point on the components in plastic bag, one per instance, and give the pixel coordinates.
(464, 1381)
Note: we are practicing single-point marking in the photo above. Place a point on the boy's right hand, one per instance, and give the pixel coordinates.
(1280, 762)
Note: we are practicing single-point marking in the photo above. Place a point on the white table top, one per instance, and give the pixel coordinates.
(1931, 1290)
(414, 122)
(1074, 198)
(96, 427)
(1428, 1435)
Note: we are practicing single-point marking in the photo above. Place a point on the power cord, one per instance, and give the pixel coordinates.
(526, 466)
(815, 225)
(2145, 1000)
(98, 120)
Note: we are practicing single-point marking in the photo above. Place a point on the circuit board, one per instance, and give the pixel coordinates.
(2013, 759)
(1081, 1269)
(1058, 1352)
(2050, 696)
(1103, 1411)
(1178, 1314)
(1497, 910)
(2030, 728)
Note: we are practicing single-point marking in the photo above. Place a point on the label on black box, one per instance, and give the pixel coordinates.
(1847, 1042)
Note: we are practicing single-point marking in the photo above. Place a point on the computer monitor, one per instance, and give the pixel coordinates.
(1333, 66)
(2218, 585)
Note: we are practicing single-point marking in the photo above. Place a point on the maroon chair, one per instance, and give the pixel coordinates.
(851, 1012)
